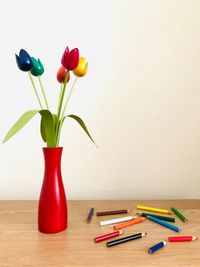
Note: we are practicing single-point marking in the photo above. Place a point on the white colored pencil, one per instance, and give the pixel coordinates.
(117, 220)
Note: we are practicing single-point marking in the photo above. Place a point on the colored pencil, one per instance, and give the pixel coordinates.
(129, 223)
(153, 209)
(165, 224)
(112, 212)
(157, 247)
(125, 239)
(180, 215)
(90, 214)
(182, 238)
(163, 218)
(107, 236)
(117, 220)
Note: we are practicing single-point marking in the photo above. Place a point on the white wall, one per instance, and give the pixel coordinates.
(140, 99)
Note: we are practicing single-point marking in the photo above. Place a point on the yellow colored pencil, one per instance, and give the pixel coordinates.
(154, 209)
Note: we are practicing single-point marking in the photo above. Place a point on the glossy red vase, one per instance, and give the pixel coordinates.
(52, 211)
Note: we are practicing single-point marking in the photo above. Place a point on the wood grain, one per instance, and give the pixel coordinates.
(22, 245)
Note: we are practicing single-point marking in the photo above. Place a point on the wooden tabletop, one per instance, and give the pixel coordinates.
(22, 245)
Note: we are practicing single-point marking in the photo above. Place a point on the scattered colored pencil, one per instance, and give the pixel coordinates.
(153, 209)
(180, 215)
(165, 224)
(163, 218)
(125, 239)
(182, 238)
(112, 212)
(107, 236)
(90, 214)
(129, 223)
(117, 220)
(157, 247)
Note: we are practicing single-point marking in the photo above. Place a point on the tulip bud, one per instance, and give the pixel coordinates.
(82, 68)
(24, 61)
(38, 68)
(70, 59)
(61, 75)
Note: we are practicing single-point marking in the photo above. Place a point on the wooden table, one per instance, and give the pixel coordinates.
(22, 245)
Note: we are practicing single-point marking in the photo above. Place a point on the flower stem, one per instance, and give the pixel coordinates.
(35, 90)
(58, 132)
(68, 98)
(61, 88)
(60, 122)
(62, 95)
(43, 92)
(60, 102)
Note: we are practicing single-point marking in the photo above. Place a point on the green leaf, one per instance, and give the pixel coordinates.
(55, 120)
(23, 120)
(48, 128)
(82, 124)
(42, 130)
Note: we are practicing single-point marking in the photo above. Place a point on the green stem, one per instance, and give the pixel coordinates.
(68, 98)
(62, 95)
(43, 92)
(60, 103)
(60, 122)
(35, 90)
(58, 133)
(61, 88)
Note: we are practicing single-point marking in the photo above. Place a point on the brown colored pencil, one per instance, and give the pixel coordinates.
(112, 212)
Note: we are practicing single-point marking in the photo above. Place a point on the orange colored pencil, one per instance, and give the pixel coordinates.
(129, 223)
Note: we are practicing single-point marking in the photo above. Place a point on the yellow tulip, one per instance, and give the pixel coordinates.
(82, 68)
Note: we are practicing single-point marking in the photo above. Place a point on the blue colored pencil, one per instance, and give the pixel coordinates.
(165, 224)
(157, 247)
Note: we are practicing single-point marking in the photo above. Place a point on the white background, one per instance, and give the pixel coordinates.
(140, 98)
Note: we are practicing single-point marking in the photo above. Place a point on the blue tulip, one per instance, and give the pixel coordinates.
(24, 61)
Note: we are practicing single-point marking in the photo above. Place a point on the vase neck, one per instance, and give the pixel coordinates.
(52, 157)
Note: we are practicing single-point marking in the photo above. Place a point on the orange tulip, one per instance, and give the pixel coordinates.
(61, 75)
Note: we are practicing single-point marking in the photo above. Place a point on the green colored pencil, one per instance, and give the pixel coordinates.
(180, 215)
(163, 218)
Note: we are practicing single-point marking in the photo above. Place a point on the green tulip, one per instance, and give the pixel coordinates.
(38, 68)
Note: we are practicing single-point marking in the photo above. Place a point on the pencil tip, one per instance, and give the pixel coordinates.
(143, 234)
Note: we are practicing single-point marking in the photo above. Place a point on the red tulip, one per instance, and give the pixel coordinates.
(70, 59)
(61, 75)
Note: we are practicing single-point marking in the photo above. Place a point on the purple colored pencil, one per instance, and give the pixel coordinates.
(90, 214)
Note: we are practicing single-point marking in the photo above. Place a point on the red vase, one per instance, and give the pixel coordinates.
(52, 212)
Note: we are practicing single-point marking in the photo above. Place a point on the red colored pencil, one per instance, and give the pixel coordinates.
(107, 236)
(182, 238)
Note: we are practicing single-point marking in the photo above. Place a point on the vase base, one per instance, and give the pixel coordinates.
(52, 231)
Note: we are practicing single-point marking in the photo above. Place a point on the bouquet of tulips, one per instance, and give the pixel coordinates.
(51, 124)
